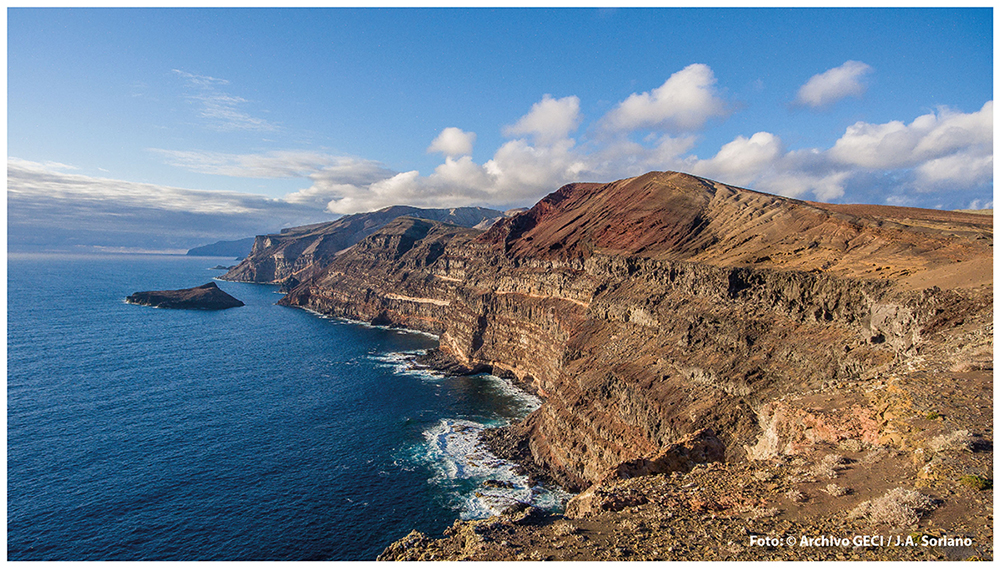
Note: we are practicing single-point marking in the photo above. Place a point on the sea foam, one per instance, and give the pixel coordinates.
(479, 483)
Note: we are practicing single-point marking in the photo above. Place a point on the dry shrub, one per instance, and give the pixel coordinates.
(829, 466)
(836, 490)
(875, 455)
(957, 440)
(565, 529)
(898, 508)
(850, 445)
(765, 513)
(796, 495)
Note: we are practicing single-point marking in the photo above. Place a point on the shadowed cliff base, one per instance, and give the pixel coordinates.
(649, 309)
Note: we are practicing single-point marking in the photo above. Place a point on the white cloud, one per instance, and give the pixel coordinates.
(25, 179)
(961, 170)
(549, 120)
(826, 88)
(938, 152)
(622, 157)
(684, 103)
(51, 208)
(743, 160)
(931, 136)
(523, 171)
(453, 142)
(793, 183)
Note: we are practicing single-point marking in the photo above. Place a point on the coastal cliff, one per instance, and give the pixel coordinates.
(292, 255)
(653, 309)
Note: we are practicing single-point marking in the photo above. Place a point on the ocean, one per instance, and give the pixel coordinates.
(255, 433)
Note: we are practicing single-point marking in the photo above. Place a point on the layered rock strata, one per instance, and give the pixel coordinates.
(292, 255)
(650, 308)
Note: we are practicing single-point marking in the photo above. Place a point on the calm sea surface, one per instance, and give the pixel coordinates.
(255, 433)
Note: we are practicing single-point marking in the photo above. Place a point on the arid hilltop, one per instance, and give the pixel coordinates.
(670, 322)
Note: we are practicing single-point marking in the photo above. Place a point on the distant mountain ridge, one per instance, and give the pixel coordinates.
(295, 252)
(236, 249)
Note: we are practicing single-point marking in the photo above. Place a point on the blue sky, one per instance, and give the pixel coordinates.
(168, 128)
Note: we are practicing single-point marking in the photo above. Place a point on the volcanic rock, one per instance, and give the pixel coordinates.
(651, 311)
(205, 297)
(293, 254)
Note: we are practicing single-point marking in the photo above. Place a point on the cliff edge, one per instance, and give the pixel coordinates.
(657, 308)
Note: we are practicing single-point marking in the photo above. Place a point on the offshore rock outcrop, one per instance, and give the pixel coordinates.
(650, 309)
(204, 297)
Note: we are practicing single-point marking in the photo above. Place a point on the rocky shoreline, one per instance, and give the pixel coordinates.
(503, 442)
(668, 320)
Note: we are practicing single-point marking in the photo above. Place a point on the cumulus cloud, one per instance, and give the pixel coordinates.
(830, 86)
(956, 171)
(222, 110)
(549, 120)
(453, 142)
(684, 103)
(941, 151)
(929, 137)
(622, 157)
(743, 160)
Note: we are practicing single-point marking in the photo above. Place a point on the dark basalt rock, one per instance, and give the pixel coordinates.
(204, 297)
(445, 363)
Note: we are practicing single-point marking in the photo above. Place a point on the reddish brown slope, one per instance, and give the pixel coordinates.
(675, 216)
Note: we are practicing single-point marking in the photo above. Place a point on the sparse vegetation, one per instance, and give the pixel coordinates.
(796, 496)
(829, 466)
(933, 415)
(957, 440)
(566, 529)
(976, 482)
(836, 490)
(898, 508)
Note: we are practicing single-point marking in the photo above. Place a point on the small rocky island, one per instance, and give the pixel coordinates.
(204, 297)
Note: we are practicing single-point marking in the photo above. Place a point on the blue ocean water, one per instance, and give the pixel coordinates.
(255, 433)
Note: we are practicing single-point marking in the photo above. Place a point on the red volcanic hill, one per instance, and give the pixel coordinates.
(676, 216)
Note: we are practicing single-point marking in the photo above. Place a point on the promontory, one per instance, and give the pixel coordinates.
(718, 366)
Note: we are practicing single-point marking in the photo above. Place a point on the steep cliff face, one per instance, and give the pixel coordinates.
(648, 309)
(296, 252)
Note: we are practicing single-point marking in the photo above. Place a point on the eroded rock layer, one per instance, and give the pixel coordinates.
(293, 254)
(649, 309)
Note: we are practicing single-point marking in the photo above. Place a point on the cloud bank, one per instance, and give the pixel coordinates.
(50, 208)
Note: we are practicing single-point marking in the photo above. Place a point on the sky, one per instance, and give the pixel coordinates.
(164, 129)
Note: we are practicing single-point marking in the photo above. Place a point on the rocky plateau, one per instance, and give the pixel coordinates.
(715, 363)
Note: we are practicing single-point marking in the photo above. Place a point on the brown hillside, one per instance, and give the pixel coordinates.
(676, 216)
